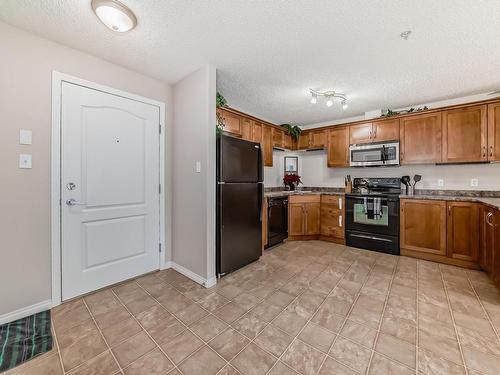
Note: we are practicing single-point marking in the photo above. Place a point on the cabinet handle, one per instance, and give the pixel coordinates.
(449, 210)
(491, 151)
(340, 221)
(488, 219)
(340, 203)
(484, 151)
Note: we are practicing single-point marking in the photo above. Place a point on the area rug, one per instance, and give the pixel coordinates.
(24, 339)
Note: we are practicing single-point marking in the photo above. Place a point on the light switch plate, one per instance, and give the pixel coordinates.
(474, 182)
(25, 137)
(440, 182)
(25, 161)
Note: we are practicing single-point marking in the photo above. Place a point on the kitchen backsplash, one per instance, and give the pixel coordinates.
(313, 170)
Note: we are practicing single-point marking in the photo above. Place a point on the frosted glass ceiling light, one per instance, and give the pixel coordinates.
(329, 96)
(114, 15)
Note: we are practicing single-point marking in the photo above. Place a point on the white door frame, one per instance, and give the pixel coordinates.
(57, 80)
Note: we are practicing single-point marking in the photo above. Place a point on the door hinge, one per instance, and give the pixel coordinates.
(159, 247)
(159, 128)
(159, 188)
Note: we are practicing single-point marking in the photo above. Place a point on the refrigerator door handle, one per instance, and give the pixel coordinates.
(261, 199)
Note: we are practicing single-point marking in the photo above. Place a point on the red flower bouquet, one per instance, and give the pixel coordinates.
(291, 180)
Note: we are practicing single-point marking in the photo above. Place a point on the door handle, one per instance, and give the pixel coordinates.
(484, 151)
(73, 202)
(488, 219)
(491, 151)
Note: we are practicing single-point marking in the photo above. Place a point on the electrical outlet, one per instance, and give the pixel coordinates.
(474, 182)
(440, 182)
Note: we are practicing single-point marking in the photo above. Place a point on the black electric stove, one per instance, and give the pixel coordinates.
(372, 214)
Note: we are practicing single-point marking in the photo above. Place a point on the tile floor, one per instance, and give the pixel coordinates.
(304, 308)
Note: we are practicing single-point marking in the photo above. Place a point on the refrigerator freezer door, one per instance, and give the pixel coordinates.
(239, 160)
(240, 225)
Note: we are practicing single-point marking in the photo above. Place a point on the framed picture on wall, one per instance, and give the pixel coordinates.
(291, 164)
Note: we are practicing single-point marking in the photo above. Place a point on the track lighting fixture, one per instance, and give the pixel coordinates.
(329, 96)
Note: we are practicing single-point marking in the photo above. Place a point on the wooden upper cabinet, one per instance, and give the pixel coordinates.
(232, 122)
(463, 231)
(267, 145)
(246, 129)
(312, 219)
(303, 142)
(386, 130)
(494, 131)
(278, 137)
(465, 134)
(338, 147)
(288, 142)
(317, 139)
(423, 226)
(420, 139)
(256, 131)
(361, 133)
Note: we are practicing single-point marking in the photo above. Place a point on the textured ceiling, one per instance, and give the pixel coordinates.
(268, 53)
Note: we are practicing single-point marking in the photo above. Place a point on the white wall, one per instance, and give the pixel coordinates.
(193, 215)
(273, 176)
(26, 66)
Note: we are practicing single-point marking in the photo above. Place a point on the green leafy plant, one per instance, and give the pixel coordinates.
(293, 130)
(220, 102)
(391, 113)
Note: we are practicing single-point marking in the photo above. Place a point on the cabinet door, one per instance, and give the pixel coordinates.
(232, 122)
(246, 128)
(312, 220)
(256, 131)
(303, 141)
(267, 145)
(495, 268)
(420, 139)
(487, 241)
(463, 231)
(296, 219)
(332, 221)
(278, 137)
(338, 147)
(361, 133)
(318, 139)
(423, 226)
(288, 142)
(387, 130)
(465, 134)
(494, 131)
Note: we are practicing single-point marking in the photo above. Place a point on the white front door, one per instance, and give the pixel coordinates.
(109, 189)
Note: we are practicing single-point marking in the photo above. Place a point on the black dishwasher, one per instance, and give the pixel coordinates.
(277, 220)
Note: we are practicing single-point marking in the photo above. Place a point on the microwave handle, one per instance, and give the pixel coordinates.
(383, 154)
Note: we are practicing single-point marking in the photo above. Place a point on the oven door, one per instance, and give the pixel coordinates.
(371, 155)
(372, 214)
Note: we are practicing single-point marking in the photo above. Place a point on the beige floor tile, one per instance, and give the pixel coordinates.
(381, 365)
(326, 318)
(229, 343)
(249, 325)
(182, 346)
(213, 302)
(103, 364)
(290, 322)
(396, 349)
(230, 312)
(479, 341)
(253, 361)
(205, 361)
(48, 365)
(281, 369)
(266, 312)
(303, 358)
(332, 367)
(480, 361)
(191, 314)
(359, 333)
(209, 327)
(441, 346)
(111, 316)
(273, 340)
(121, 330)
(69, 315)
(280, 299)
(246, 300)
(307, 304)
(153, 363)
(174, 301)
(351, 354)
(401, 328)
(199, 292)
(153, 316)
(430, 363)
(230, 291)
(166, 330)
(133, 348)
(101, 302)
(228, 370)
(317, 337)
(142, 301)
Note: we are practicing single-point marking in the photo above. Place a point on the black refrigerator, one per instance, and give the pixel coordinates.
(240, 193)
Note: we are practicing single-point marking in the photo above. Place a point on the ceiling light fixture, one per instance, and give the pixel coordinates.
(329, 95)
(405, 34)
(114, 15)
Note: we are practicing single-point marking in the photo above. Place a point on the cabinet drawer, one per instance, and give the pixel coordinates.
(335, 200)
(304, 199)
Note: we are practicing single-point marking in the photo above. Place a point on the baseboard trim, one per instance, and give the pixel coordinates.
(25, 311)
(166, 265)
(194, 276)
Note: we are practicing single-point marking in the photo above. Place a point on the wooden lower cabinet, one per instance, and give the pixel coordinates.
(463, 231)
(488, 227)
(332, 218)
(495, 249)
(304, 213)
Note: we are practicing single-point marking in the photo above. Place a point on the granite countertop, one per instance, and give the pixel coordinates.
(490, 201)
(284, 193)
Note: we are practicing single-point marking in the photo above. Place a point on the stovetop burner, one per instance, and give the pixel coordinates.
(376, 186)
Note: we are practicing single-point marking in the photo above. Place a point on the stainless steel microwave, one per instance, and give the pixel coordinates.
(374, 154)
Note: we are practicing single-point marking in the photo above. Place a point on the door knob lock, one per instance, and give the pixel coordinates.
(71, 186)
(73, 202)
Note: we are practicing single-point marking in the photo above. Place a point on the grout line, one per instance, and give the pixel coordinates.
(57, 343)
(453, 320)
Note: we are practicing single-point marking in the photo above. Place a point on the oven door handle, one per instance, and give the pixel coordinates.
(370, 237)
